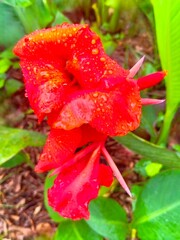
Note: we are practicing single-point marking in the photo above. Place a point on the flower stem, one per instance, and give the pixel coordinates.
(116, 171)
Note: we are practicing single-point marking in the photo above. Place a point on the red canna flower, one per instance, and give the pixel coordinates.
(86, 97)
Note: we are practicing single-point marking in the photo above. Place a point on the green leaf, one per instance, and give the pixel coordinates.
(167, 19)
(18, 3)
(157, 210)
(13, 140)
(18, 159)
(135, 190)
(7, 53)
(60, 18)
(148, 119)
(150, 151)
(75, 230)
(54, 215)
(140, 166)
(147, 168)
(2, 79)
(108, 219)
(153, 168)
(11, 27)
(4, 65)
(12, 85)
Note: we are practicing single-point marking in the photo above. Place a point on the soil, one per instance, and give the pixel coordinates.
(22, 212)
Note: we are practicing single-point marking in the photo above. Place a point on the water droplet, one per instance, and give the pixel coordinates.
(102, 59)
(35, 70)
(95, 51)
(104, 98)
(95, 94)
(26, 39)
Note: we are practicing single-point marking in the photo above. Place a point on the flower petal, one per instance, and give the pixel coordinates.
(151, 79)
(53, 42)
(75, 187)
(105, 175)
(91, 65)
(112, 113)
(59, 147)
(47, 85)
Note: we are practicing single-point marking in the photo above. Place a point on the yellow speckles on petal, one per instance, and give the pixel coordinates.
(95, 51)
(102, 59)
(93, 41)
(95, 94)
(104, 98)
(35, 70)
(64, 35)
(110, 72)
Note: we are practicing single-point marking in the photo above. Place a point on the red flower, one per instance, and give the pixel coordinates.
(86, 97)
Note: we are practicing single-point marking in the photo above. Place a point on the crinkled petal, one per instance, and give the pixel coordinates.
(112, 113)
(47, 85)
(53, 42)
(75, 187)
(59, 147)
(91, 65)
(43, 56)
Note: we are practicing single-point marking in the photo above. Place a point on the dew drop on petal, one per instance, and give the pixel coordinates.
(102, 59)
(95, 94)
(95, 51)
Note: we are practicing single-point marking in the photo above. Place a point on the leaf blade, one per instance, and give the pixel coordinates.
(157, 209)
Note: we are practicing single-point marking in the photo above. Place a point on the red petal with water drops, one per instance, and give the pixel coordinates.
(47, 85)
(53, 42)
(75, 186)
(43, 56)
(91, 65)
(151, 80)
(60, 146)
(112, 113)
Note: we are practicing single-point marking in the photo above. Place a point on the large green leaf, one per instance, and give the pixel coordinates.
(149, 150)
(75, 230)
(11, 27)
(167, 19)
(18, 159)
(13, 140)
(157, 209)
(108, 219)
